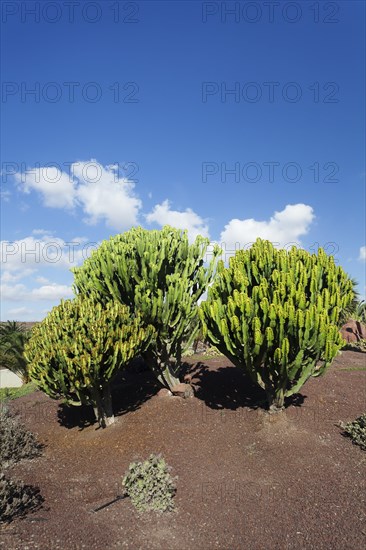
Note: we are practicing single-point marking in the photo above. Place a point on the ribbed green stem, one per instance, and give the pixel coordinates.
(164, 369)
(275, 313)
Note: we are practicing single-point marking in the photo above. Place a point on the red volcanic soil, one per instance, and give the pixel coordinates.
(246, 479)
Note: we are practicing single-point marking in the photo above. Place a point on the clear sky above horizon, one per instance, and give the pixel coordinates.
(235, 120)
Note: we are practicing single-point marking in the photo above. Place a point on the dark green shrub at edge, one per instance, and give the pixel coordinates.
(16, 499)
(16, 441)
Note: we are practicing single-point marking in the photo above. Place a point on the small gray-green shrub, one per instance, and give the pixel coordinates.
(16, 441)
(209, 351)
(356, 430)
(356, 346)
(16, 499)
(150, 485)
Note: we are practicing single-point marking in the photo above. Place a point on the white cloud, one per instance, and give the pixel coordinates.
(20, 293)
(9, 277)
(362, 255)
(42, 280)
(163, 215)
(23, 256)
(13, 293)
(56, 187)
(284, 227)
(106, 196)
(52, 292)
(97, 190)
(28, 257)
(20, 313)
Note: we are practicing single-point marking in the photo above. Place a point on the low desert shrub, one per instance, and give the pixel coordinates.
(16, 499)
(8, 394)
(150, 485)
(356, 346)
(16, 441)
(356, 430)
(210, 351)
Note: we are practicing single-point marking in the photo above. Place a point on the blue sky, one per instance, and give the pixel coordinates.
(233, 125)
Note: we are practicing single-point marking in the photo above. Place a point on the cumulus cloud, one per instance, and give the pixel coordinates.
(98, 190)
(56, 187)
(105, 196)
(9, 277)
(42, 280)
(20, 293)
(362, 255)
(163, 215)
(52, 292)
(26, 257)
(284, 227)
(20, 257)
(22, 312)
(13, 292)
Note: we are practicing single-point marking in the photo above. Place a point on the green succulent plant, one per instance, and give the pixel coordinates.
(76, 351)
(356, 430)
(159, 274)
(276, 313)
(150, 485)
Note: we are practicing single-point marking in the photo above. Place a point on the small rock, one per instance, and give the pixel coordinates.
(182, 390)
(164, 392)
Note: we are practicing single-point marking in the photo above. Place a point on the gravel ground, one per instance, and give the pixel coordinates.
(246, 479)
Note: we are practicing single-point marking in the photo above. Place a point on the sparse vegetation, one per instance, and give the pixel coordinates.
(356, 346)
(150, 485)
(14, 393)
(356, 430)
(16, 499)
(16, 441)
(210, 351)
(359, 312)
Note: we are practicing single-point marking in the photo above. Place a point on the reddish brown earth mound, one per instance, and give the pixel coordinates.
(353, 331)
(246, 480)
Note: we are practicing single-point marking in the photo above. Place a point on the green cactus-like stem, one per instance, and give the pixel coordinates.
(165, 369)
(276, 314)
(160, 275)
(76, 351)
(276, 399)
